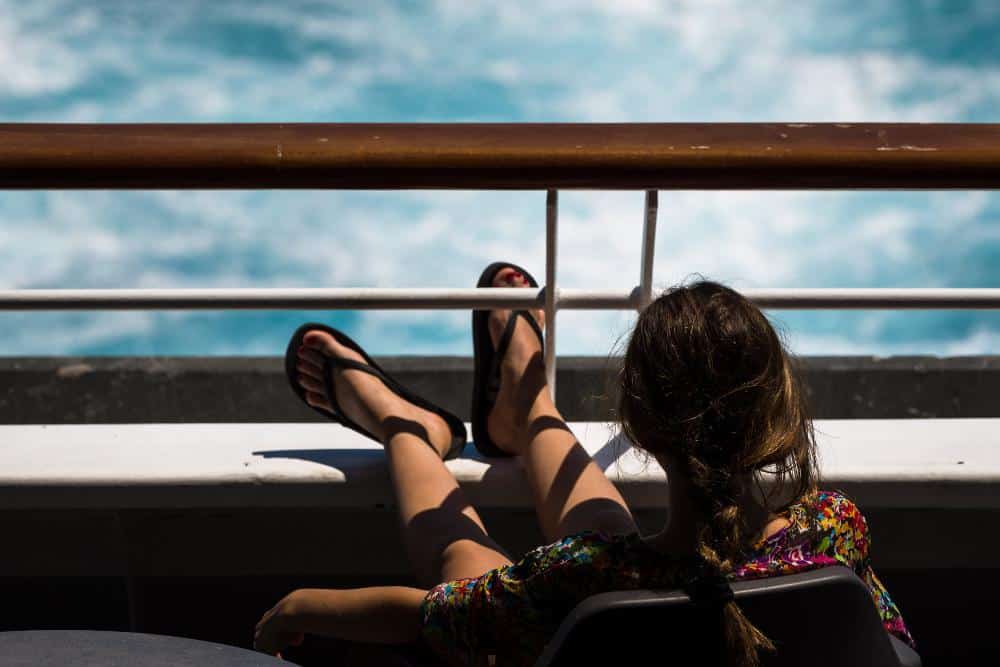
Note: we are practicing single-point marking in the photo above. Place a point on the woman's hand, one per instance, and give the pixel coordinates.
(276, 629)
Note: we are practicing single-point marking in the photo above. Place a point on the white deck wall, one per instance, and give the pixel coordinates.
(259, 499)
(889, 463)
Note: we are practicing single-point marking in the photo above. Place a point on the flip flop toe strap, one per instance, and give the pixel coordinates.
(533, 323)
(493, 381)
(331, 364)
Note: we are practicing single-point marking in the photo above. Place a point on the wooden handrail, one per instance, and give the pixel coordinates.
(634, 156)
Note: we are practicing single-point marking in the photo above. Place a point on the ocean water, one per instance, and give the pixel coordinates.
(548, 60)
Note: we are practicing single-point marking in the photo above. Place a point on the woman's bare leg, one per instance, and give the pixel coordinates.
(443, 534)
(571, 492)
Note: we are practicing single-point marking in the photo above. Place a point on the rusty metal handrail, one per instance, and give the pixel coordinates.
(634, 156)
(647, 157)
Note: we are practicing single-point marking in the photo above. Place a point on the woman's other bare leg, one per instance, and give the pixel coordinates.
(571, 492)
(443, 533)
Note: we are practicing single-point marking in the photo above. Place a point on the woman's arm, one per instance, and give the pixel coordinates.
(381, 614)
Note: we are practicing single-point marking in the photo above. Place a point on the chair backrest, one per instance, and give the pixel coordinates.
(820, 618)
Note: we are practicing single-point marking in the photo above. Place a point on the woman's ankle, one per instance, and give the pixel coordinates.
(411, 423)
(541, 415)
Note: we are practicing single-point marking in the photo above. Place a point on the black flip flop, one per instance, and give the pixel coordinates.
(486, 381)
(459, 434)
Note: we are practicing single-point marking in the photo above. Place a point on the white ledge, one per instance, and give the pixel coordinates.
(912, 463)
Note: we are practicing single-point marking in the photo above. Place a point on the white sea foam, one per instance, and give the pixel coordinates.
(456, 61)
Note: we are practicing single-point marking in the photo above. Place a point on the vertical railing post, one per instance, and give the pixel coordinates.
(648, 247)
(551, 291)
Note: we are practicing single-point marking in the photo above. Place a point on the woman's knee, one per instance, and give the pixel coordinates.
(602, 515)
(470, 558)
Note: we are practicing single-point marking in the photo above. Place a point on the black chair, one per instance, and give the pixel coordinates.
(819, 618)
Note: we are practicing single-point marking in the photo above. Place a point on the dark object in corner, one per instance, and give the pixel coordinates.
(97, 648)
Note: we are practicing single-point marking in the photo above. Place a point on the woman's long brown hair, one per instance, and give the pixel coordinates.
(707, 382)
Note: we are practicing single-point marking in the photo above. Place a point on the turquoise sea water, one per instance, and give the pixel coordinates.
(548, 60)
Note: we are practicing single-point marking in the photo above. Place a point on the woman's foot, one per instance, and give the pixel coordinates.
(361, 396)
(523, 388)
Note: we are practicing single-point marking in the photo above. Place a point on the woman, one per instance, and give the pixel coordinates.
(706, 388)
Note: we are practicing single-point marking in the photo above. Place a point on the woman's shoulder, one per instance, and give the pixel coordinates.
(837, 522)
(833, 507)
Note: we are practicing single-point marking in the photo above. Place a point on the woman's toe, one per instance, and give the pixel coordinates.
(317, 400)
(506, 277)
(308, 355)
(311, 384)
(310, 370)
(320, 342)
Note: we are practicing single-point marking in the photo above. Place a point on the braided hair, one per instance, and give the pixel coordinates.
(707, 383)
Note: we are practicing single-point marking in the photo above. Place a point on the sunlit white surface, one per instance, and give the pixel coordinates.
(885, 463)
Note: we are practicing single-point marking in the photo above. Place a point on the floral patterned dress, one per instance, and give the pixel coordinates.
(519, 606)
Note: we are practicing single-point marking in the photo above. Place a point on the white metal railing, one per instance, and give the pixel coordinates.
(550, 296)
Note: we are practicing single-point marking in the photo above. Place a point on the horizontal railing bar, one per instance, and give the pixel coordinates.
(529, 156)
(341, 298)
(875, 298)
(366, 298)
